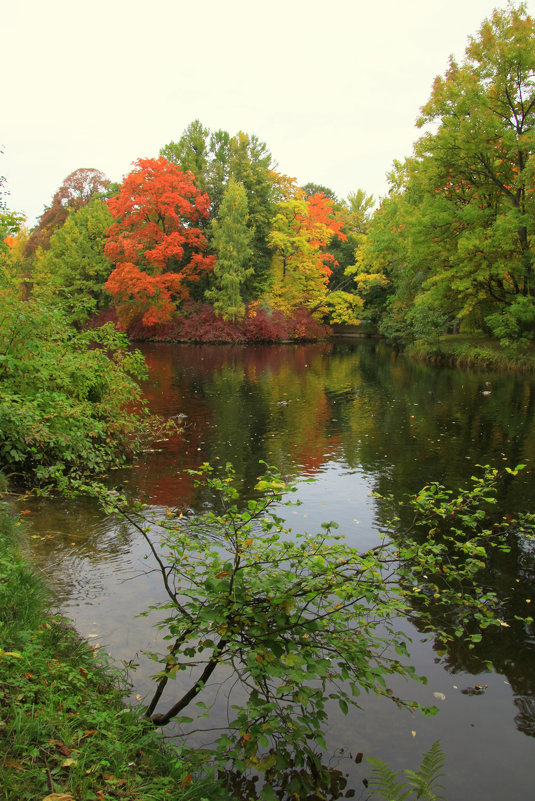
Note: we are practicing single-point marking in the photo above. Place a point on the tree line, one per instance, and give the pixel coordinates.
(211, 220)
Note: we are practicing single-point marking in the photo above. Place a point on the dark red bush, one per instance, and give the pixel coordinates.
(197, 322)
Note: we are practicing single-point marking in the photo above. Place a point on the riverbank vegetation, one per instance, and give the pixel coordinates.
(476, 350)
(70, 400)
(65, 731)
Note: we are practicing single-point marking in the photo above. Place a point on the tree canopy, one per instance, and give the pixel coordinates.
(216, 158)
(456, 230)
(74, 265)
(156, 243)
(231, 238)
(76, 191)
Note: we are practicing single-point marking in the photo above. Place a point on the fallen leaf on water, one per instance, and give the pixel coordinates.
(413, 733)
(440, 696)
(478, 689)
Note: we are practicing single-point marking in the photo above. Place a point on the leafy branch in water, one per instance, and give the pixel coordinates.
(295, 624)
(456, 538)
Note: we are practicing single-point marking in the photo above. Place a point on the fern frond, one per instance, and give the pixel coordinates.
(425, 779)
(385, 782)
(422, 783)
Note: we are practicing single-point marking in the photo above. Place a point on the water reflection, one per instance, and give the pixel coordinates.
(359, 419)
(301, 407)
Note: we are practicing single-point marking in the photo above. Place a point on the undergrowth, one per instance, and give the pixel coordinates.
(198, 322)
(64, 729)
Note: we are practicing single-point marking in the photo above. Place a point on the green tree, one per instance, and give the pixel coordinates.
(74, 267)
(311, 188)
(216, 158)
(354, 213)
(76, 191)
(192, 152)
(461, 209)
(479, 164)
(231, 238)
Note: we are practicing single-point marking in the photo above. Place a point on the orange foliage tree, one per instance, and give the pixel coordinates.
(155, 242)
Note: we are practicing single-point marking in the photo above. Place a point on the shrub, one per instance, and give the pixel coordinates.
(66, 405)
(198, 322)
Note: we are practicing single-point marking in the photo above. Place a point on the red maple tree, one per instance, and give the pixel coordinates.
(155, 242)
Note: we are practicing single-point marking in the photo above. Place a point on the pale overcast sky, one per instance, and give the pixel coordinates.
(333, 88)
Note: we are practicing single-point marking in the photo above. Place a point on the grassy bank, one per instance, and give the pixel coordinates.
(475, 351)
(65, 732)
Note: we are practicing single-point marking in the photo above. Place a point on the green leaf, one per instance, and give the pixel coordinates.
(343, 706)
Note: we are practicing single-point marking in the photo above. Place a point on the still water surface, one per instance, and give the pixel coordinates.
(358, 419)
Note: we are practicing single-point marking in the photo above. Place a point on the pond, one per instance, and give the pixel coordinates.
(359, 419)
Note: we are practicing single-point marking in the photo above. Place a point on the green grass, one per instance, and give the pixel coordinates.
(64, 727)
(476, 351)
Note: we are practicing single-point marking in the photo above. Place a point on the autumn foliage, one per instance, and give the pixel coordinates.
(301, 232)
(198, 322)
(156, 243)
(322, 227)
